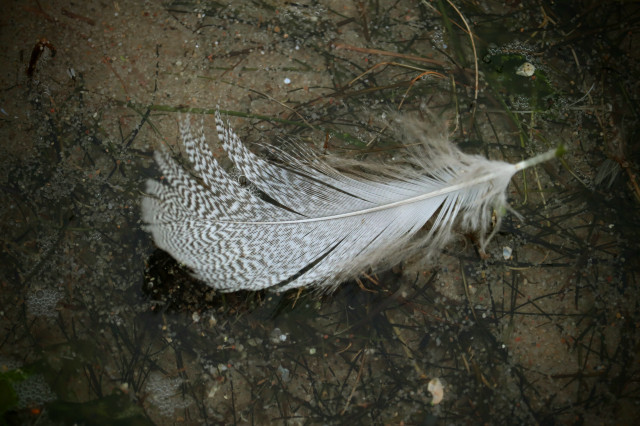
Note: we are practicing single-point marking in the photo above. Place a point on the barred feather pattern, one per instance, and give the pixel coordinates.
(320, 222)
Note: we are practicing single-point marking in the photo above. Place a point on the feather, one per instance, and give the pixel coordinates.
(314, 221)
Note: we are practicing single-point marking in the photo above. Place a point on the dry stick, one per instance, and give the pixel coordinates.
(620, 159)
(405, 347)
(411, 83)
(416, 79)
(353, 389)
(271, 98)
(475, 59)
(72, 15)
(362, 287)
(535, 171)
(466, 291)
(398, 64)
(473, 45)
(297, 297)
(387, 53)
(543, 25)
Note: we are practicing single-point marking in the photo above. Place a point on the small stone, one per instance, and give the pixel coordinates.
(506, 252)
(437, 390)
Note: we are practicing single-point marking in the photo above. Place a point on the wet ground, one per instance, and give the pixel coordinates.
(98, 327)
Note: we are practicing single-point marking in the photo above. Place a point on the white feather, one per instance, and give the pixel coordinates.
(320, 223)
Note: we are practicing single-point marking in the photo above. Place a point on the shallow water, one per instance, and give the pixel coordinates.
(98, 326)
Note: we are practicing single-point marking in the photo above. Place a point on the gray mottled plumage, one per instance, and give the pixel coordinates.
(323, 222)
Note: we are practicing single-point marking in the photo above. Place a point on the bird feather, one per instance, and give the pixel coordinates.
(314, 221)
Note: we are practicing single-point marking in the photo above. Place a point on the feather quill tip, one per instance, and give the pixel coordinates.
(561, 150)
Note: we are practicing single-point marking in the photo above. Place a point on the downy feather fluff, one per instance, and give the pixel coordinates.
(320, 222)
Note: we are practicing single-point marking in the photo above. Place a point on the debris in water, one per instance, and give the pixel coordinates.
(437, 390)
(526, 70)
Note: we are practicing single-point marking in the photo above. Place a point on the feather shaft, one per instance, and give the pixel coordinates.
(443, 191)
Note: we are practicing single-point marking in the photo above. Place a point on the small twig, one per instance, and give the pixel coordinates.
(575, 58)
(271, 98)
(362, 287)
(298, 293)
(397, 64)
(78, 17)
(425, 73)
(387, 53)
(353, 388)
(475, 58)
(466, 293)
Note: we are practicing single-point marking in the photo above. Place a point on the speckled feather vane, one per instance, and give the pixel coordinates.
(319, 223)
